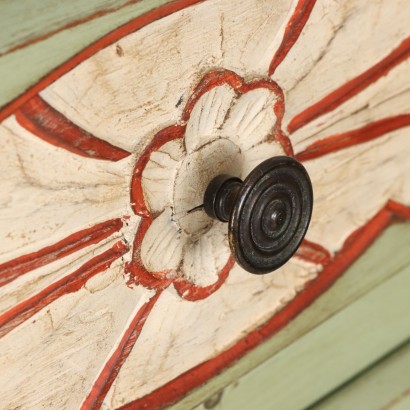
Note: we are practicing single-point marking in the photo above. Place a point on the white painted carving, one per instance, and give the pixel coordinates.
(225, 134)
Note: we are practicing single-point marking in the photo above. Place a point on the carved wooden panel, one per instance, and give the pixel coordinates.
(116, 288)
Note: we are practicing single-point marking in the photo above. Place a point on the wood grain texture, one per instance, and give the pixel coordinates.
(133, 128)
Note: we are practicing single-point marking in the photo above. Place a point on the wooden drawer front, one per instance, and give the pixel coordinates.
(116, 287)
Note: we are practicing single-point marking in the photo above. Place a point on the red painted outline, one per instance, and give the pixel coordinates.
(110, 38)
(135, 269)
(292, 32)
(360, 135)
(353, 247)
(11, 270)
(42, 120)
(352, 87)
(313, 253)
(192, 293)
(111, 369)
(69, 284)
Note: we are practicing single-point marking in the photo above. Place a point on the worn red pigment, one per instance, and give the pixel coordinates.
(11, 270)
(292, 32)
(360, 135)
(110, 371)
(38, 117)
(352, 87)
(68, 284)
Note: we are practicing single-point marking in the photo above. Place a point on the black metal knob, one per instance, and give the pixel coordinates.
(268, 213)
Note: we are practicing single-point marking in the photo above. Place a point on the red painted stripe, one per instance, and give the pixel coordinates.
(186, 290)
(398, 210)
(69, 284)
(314, 253)
(358, 136)
(292, 32)
(103, 42)
(11, 270)
(352, 87)
(354, 246)
(38, 117)
(117, 359)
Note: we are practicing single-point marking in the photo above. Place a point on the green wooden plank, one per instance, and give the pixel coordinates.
(385, 385)
(23, 68)
(330, 354)
(383, 260)
(27, 20)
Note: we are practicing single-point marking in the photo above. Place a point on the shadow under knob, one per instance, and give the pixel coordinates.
(268, 213)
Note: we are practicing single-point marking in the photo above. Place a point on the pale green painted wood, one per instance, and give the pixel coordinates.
(330, 354)
(387, 257)
(385, 385)
(23, 68)
(402, 404)
(25, 20)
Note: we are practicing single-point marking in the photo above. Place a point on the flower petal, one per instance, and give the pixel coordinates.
(259, 153)
(159, 173)
(161, 248)
(251, 119)
(204, 258)
(207, 116)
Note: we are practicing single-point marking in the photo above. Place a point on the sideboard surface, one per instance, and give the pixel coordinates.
(116, 290)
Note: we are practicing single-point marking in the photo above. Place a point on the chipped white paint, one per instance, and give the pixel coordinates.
(54, 193)
(53, 358)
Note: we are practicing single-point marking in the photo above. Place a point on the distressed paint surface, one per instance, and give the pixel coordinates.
(39, 37)
(107, 159)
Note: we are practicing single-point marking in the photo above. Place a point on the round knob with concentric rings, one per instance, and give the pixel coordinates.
(268, 213)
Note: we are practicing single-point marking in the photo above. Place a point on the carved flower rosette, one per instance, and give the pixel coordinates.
(228, 126)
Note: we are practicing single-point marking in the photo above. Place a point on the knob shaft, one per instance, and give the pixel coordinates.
(268, 213)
